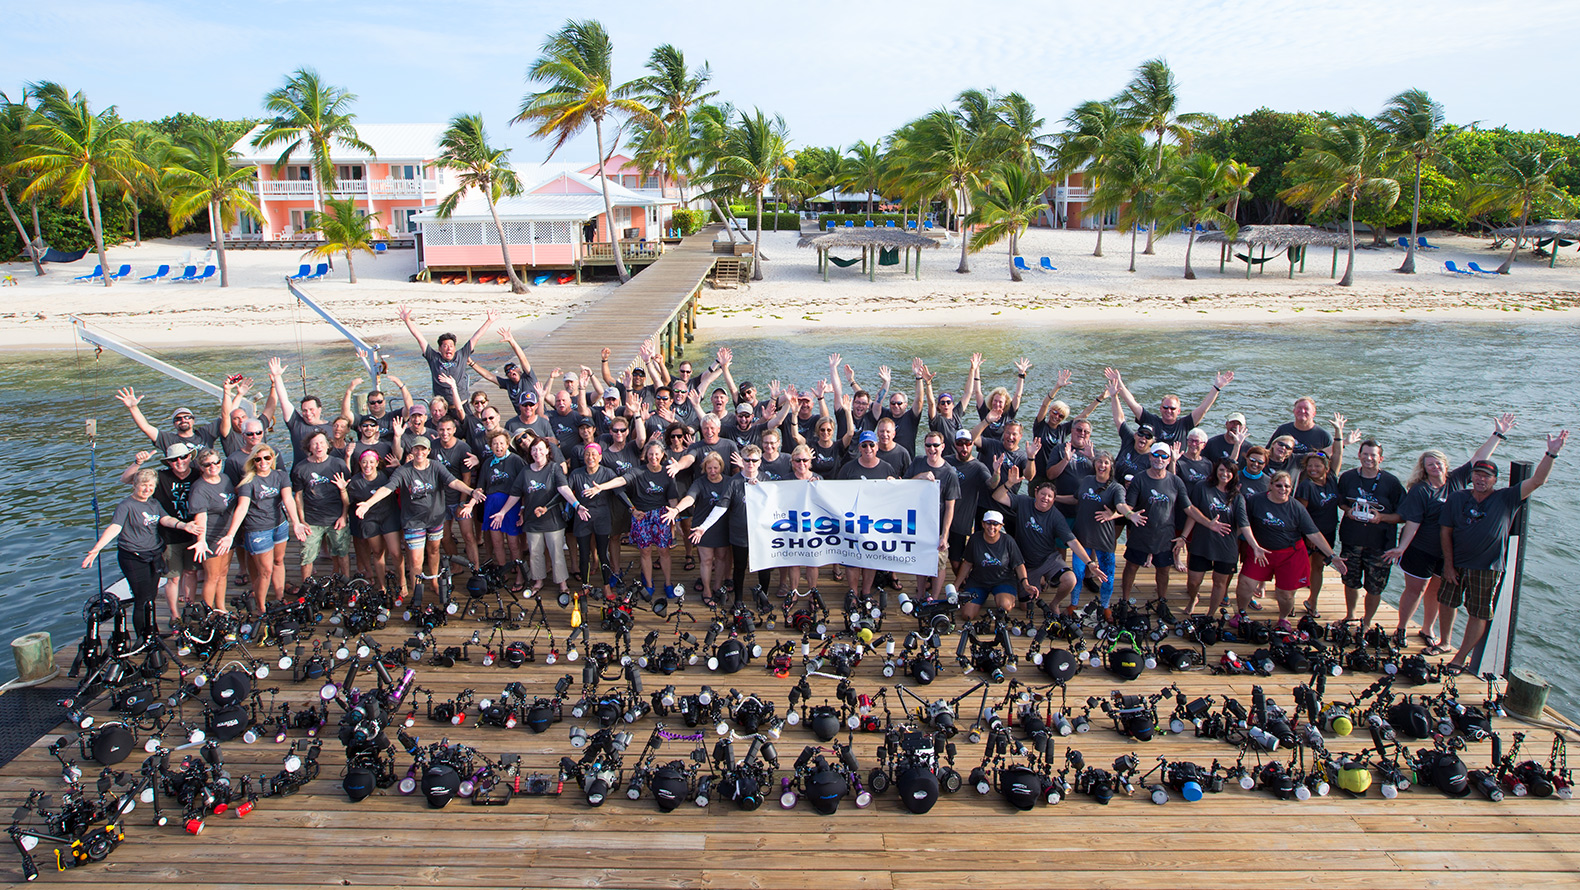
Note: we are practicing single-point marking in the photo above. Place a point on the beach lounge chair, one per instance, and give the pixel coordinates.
(1448, 265)
(1420, 242)
(380, 247)
(910, 225)
(1404, 243)
(1480, 271)
(320, 272)
(208, 272)
(1047, 265)
(1020, 263)
(850, 224)
(118, 274)
(927, 224)
(832, 225)
(301, 273)
(871, 224)
(890, 225)
(159, 273)
(96, 275)
(187, 274)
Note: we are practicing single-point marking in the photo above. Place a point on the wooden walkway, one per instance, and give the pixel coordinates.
(1235, 839)
(660, 302)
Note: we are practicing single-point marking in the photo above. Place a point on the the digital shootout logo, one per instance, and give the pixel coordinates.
(888, 524)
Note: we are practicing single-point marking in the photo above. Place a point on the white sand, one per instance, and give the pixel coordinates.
(257, 308)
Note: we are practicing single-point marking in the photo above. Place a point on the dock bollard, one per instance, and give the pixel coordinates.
(35, 657)
(1527, 694)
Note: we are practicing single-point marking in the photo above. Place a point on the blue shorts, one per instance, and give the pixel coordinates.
(417, 538)
(259, 543)
(512, 524)
(979, 595)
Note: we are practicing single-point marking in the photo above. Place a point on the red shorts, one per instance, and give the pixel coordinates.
(1288, 569)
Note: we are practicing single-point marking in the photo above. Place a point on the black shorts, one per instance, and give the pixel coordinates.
(1366, 569)
(957, 547)
(1216, 566)
(373, 528)
(1420, 564)
(1163, 559)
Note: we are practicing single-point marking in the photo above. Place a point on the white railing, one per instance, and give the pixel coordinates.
(378, 188)
(402, 188)
(1067, 193)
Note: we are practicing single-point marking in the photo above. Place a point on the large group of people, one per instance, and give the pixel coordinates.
(555, 477)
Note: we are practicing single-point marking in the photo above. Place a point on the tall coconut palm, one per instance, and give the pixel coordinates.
(710, 127)
(944, 150)
(1089, 131)
(14, 120)
(1342, 160)
(201, 176)
(1416, 124)
(576, 70)
(312, 115)
(1006, 205)
(464, 148)
(1516, 185)
(863, 169)
(1021, 130)
(1150, 102)
(153, 149)
(74, 149)
(1125, 182)
(822, 168)
(347, 230)
(672, 93)
(1192, 193)
(1237, 181)
(752, 159)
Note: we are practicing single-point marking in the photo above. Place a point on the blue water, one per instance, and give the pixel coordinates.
(1412, 385)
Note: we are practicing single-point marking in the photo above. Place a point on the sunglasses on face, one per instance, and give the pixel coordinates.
(253, 433)
(801, 460)
(375, 401)
(754, 460)
(209, 463)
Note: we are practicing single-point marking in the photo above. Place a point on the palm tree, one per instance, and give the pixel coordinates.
(1022, 131)
(74, 149)
(464, 148)
(946, 153)
(821, 168)
(1089, 131)
(1416, 124)
(14, 120)
(672, 93)
(1125, 181)
(863, 169)
(311, 114)
(1517, 185)
(201, 176)
(1012, 198)
(346, 229)
(753, 158)
(1150, 102)
(576, 69)
(1196, 186)
(1237, 181)
(153, 149)
(1341, 160)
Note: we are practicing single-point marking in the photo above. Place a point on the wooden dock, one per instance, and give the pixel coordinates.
(660, 303)
(1235, 839)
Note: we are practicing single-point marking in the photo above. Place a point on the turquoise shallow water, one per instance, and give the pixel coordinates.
(1411, 384)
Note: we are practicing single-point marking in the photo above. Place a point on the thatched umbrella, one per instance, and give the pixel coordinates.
(1280, 238)
(869, 241)
(1554, 230)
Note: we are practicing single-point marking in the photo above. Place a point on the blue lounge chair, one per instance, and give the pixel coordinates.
(1404, 243)
(832, 225)
(1020, 263)
(118, 274)
(850, 224)
(96, 275)
(871, 224)
(301, 273)
(1047, 265)
(1477, 269)
(891, 225)
(161, 272)
(320, 272)
(380, 247)
(927, 224)
(208, 272)
(1420, 242)
(1449, 266)
(910, 225)
(187, 274)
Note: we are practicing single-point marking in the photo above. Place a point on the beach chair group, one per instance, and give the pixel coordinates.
(1043, 263)
(910, 225)
(1420, 243)
(309, 273)
(188, 274)
(1452, 269)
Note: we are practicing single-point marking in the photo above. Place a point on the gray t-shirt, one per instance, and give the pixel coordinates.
(1163, 501)
(314, 481)
(456, 368)
(217, 499)
(1480, 527)
(1093, 497)
(265, 511)
(421, 503)
(1229, 509)
(139, 522)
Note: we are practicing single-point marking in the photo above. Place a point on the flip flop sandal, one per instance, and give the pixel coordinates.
(691, 563)
(1436, 649)
(1311, 613)
(1453, 670)
(1427, 638)
(1256, 605)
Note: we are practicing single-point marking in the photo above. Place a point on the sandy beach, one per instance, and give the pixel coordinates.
(1087, 290)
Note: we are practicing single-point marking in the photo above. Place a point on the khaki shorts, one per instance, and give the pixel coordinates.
(179, 560)
(338, 541)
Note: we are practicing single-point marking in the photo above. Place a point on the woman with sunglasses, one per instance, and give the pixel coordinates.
(732, 509)
(710, 489)
(136, 523)
(497, 475)
(1278, 530)
(677, 445)
(376, 536)
(1217, 498)
(1253, 475)
(1317, 489)
(211, 500)
(651, 490)
(540, 489)
(801, 469)
(265, 516)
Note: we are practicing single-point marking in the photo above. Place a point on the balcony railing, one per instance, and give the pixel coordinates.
(345, 188)
(1065, 193)
(630, 250)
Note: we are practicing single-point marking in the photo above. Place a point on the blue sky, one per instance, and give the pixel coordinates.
(837, 71)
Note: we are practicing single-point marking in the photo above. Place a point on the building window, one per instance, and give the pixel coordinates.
(652, 182)
(349, 171)
(402, 220)
(301, 220)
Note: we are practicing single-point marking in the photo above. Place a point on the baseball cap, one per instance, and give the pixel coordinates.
(993, 516)
(745, 408)
(182, 449)
(422, 442)
(638, 372)
(610, 392)
(510, 366)
(1162, 449)
(529, 398)
(1146, 430)
(1236, 417)
(867, 436)
(586, 421)
(1480, 466)
(417, 408)
(962, 435)
(180, 411)
(570, 378)
(366, 419)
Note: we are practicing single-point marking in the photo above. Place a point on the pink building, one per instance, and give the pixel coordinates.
(623, 171)
(557, 224)
(398, 181)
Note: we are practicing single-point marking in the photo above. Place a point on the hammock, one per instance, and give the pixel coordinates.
(1256, 261)
(843, 264)
(888, 256)
(51, 255)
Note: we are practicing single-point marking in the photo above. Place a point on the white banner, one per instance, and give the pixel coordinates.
(877, 523)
